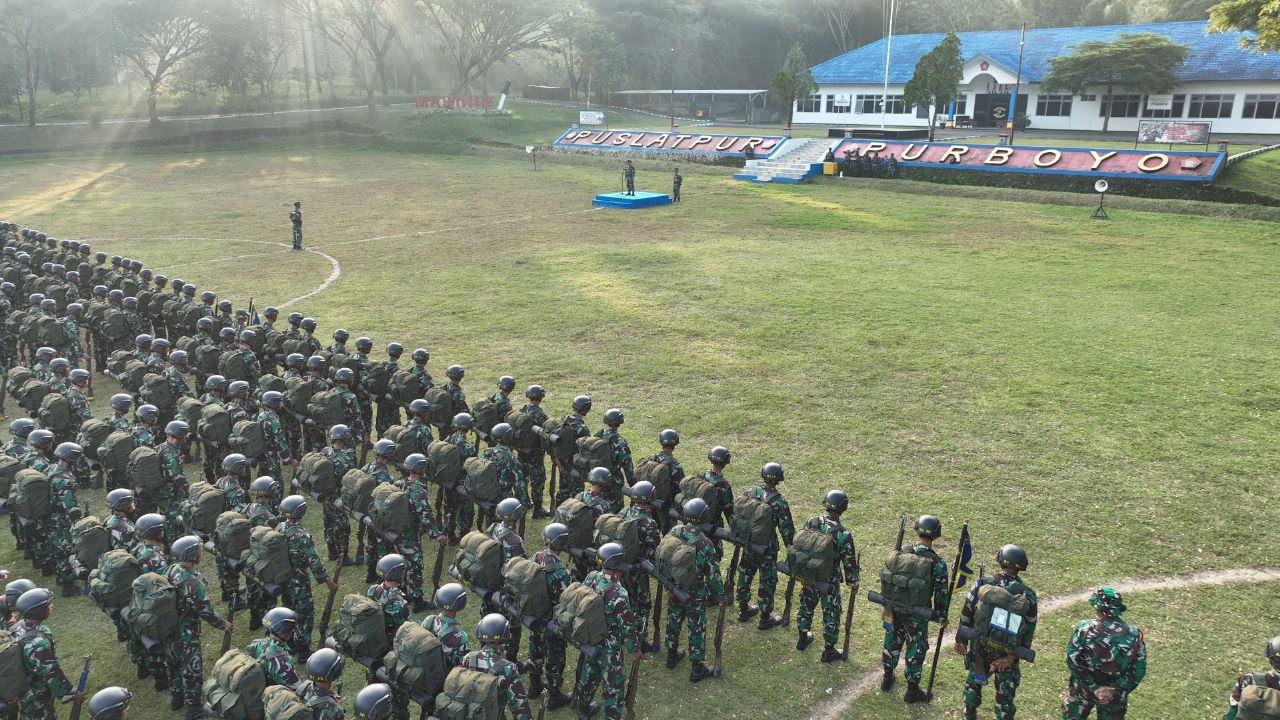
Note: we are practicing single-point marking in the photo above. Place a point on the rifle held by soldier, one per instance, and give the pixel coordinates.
(78, 703)
(328, 601)
(438, 570)
(632, 682)
(848, 614)
(231, 616)
(718, 668)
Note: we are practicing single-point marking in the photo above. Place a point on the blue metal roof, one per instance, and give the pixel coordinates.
(1213, 57)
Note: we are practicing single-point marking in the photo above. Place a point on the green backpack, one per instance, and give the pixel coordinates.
(469, 695)
(111, 584)
(271, 383)
(403, 438)
(999, 618)
(444, 463)
(357, 490)
(9, 467)
(522, 425)
(325, 408)
(232, 533)
(117, 360)
(405, 387)
(268, 556)
(202, 507)
(317, 474)
(236, 690)
(481, 482)
(231, 365)
(297, 395)
(752, 520)
(524, 587)
(678, 562)
(360, 630)
(144, 471)
(206, 359)
(18, 376)
(375, 378)
(29, 497)
(593, 452)
(32, 396)
(281, 703)
(55, 414)
(90, 540)
(697, 486)
(479, 560)
(91, 436)
(484, 415)
(812, 556)
(50, 332)
(246, 438)
(215, 424)
(190, 411)
(563, 446)
(906, 581)
(389, 510)
(13, 670)
(114, 456)
(580, 615)
(439, 406)
(416, 662)
(153, 609)
(1258, 701)
(580, 519)
(135, 373)
(186, 344)
(612, 528)
(659, 475)
(157, 391)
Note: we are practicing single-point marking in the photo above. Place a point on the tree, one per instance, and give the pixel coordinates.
(1141, 62)
(839, 15)
(590, 51)
(937, 75)
(155, 37)
(29, 25)
(793, 80)
(366, 31)
(479, 33)
(1075, 13)
(1257, 16)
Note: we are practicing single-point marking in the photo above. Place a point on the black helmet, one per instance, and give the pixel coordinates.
(1012, 556)
(224, 306)
(339, 432)
(719, 455)
(419, 406)
(612, 556)
(189, 290)
(325, 665)
(509, 509)
(341, 335)
(273, 399)
(122, 401)
(280, 621)
(116, 296)
(1271, 653)
(772, 472)
(263, 486)
(215, 383)
(416, 463)
(49, 305)
(395, 349)
(186, 549)
(929, 526)
(613, 417)
(392, 567)
(315, 362)
(503, 433)
(642, 492)
(22, 427)
(34, 604)
(205, 323)
(142, 342)
(492, 629)
(40, 439)
(309, 324)
(151, 526)
(582, 403)
(373, 702)
(177, 428)
(293, 507)
(115, 260)
(556, 535)
(120, 499)
(506, 382)
(79, 375)
(226, 334)
(271, 313)
(454, 372)
(235, 464)
(694, 509)
(668, 438)
(14, 590)
(59, 365)
(533, 392)
(295, 360)
(451, 597)
(74, 309)
(178, 357)
(421, 355)
(239, 388)
(364, 344)
(69, 451)
(45, 354)
(207, 297)
(159, 345)
(177, 284)
(462, 421)
(600, 476)
(248, 337)
(384, 448)
(344, 375)
(836, 500)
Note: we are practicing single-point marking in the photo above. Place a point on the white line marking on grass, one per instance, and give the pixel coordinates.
(78, 170)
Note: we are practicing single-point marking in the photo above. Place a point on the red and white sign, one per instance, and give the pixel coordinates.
(450, 102)
(669, 142)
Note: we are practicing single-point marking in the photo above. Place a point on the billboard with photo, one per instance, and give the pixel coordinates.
(1174, 132)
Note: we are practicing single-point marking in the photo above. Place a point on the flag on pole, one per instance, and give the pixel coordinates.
(964, 561)
(253, 314)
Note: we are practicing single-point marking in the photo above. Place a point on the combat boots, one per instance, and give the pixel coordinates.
(535, 684)
(746, 612)
(768, 621)
(176, 702)
(588, 710)
(970, 713)
(914, 694)
(804, 640)
(699, 672)
(887, 682)
(195, 712)
(831, 654)
(556, 699)
(674, 656)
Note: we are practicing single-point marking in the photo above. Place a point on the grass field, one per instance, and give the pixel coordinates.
(1102, 394)
(1260, 174)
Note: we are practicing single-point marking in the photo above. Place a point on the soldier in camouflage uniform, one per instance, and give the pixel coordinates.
(236, 471)
(302, 560)
(324, 668)
(253, 371)
(363, 347)
(46, 680)
(174, 490)
(460, 509)
(143, 430)
(124, 535)
(239, 404)
(532, 460)
(502, 400)
(337, 528)
(1107, 658)
(547, 647)
(450, 599)
(595, 497)
(983, 661)
(766, 564)
(41, 369)
(9, 617)
(176, 373)
(835, 502)
(62, 493)
(59, 368)
(185, 657)
(261, 512)
(37, 538)
(151, 557)
(508, 512)
(623, 466)
(637, 580)
(575, 423)
(344, 379)
(911, 631)
(7, 342)
(392, 570)
(72, 350)
(620, 632)
(492, 632)
(709, 591)
(719, 457)
(121, 404)
(384, 452)
(423, 523)
(388, 408)
(419, 429)
(215, 393)
(420, 358)
(511, 482)
(1270, 679)
(273, 435)
(313, 434)
(668, 440)
(272, 649)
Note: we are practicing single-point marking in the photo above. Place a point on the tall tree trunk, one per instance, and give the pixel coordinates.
(306, 67)
(31, 91)
(151, 104)
(1106, 120)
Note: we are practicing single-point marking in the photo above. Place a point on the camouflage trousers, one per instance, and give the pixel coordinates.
(546, 651)
(228, 580)
(213, 455)
(60, 547)
(411, 549)
(269, 465)
(606, 666)
(637, 584)
(298, 597)
(297, 237)
(1005, 684)
(570, 486)
(260, 601)
(15, 526)
(767, 566)
(913, 633)
(693, 612)
(337, 530)
(373, 552)
(37, 704)
(809, 599)
(168, 504)
(388, 415)
(1078, 701)
(293, 434)
(462, 510)
(186, 663)
(125, 634)
(535, 473)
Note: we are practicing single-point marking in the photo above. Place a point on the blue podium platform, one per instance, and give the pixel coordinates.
(623, 201)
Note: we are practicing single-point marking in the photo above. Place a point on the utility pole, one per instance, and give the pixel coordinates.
(888, 49)
(1013, 95)
(673, 89)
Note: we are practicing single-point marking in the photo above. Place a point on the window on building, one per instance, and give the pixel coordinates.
(870, 105)
(811, 104)
(1088, 98)
(962, 105)
(1053, 105)
(1179, 101)
(1262, 107)
(1211, 106)
(839, 104)
(1122, 106)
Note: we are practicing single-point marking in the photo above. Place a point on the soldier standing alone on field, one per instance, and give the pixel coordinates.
(629, 177)
(295, 217)
(676, 181)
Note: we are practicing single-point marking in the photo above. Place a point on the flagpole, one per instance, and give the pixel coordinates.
(888, 50)
(1013, 95)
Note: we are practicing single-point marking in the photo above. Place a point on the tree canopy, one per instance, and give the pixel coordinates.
(1141, 62)
(936, 77)
(1258, 16)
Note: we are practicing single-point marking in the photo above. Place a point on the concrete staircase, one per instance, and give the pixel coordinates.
(797, 159)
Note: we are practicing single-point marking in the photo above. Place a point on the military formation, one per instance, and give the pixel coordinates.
(273, 422)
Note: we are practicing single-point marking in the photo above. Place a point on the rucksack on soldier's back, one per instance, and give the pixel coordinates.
(812, 555)
(580, 615)
(1258, 701)
(13, 670)
(231, 365)
(563, 446)
(389, 510)
(325, 408)
(153, 609)
(232, 533)
(416, 660)
(117, 360)
(479, 560)
(114, 456)
(203, 505)
(246, 438)
(32, 395)
(55, 414)
(317, 474)
(268, 556)
(439, 406)
(90, 540)
(481, 482)
(469, 695)
(29, 497)
(50, 332)
(611, 528)
(524, 587)
(157, 391)
(281, 703)
(297, 395)
(91, 436)
(403, 438)
(522, 424)
(144, 470)
(360, 629)
(135, 373)
(190, 411)
(215, 424)
(405, 387)
(111, 584)
(696, 486)
(659, 475)
(375, 379)
(580, 520)
(906, 580)
(357, 490)
(115, 326)
(484, 415)
(444, 463)
(9, 467)
(235, 690)
(18, 376)
(593, 452)
(206, 358)
(678, 562)
(999, 618)
(752, 520)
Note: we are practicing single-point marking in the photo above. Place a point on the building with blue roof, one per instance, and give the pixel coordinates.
(1236, 89)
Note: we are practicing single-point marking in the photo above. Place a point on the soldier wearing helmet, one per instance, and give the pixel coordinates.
(264, 498)
(423, 522)
(607, 664)
(450, 600)
(709, 590)
(904, 628)
(845, 569)
(722, 508)
(124, 536)
(509, 513)
(193, 600)
(1261, 682)
(493, 632)
(766, 493)
(575, 424)
(323, 669)
(273, 650)
(501, 400)
(62, 496)
(47, 681)
(168, 500)
(511, 482)
(420, 357)
(546, 647)
(278, 451)
(991, 657)
(339, 346)
(303, 563)
(649, 534)
(455, 373)
(461, 510)
(388, 408)
(337, 532)
(379, 468)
